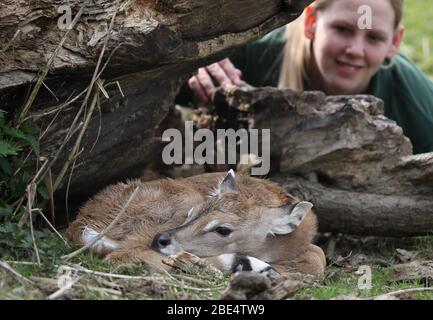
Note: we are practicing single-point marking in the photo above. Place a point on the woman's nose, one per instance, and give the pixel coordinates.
(355, 47)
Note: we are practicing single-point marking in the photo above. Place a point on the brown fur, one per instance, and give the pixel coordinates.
(163, 205)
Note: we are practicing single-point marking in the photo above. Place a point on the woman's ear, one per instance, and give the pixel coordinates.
(396, 41)
(310, 22)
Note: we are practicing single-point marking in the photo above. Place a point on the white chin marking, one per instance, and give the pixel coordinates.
(103, 246)
(170, 250)
(226, 261)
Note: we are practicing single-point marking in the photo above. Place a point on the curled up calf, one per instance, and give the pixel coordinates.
(235, 222)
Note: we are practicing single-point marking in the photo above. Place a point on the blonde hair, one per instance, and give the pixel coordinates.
(297, 50)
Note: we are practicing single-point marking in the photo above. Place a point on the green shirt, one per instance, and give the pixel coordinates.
(406, 92)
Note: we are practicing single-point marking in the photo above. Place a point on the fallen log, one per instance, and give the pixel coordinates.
(342, 154)
(362, 213)
(49, 53)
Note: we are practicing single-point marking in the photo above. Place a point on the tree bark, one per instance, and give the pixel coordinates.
(364, 213)
(342, 154)
(153, 47)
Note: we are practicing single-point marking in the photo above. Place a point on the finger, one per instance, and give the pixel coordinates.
(206, 82)
(231, 71)
(218, 73)
(198, 92)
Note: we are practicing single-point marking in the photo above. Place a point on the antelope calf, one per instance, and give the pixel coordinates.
(235, 222)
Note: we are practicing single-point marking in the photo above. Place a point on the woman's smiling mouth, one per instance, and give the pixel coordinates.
(347, 69)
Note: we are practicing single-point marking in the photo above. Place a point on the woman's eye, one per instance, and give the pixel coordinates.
(375, 38)
(342, 29)
(224, 231)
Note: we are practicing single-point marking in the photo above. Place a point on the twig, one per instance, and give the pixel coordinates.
(23, 280)
(99, 127)
(125, 277)
(95, 76)
(103, 233)
(62, 290)
(336, 262)
(31, 192)
(49, 184)
(3, 50)
(68, 185)
(74, 283)
(57, 108)
(24, 161)
(50, 91)
(49, 125)
(26, 212)
(120, 89)
(167, 273)
(399, 292)
(39, 173)
(108, 275)
(24, 263)
(101, 87)
(72, 129)
(77, 144)
(17, 208)
(51, 226)
(181, 286)
(44, 72)
(67, 103)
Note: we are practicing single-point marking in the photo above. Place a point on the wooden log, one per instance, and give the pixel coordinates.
(151, 48)
(147, 34)
(344, 141)
(342, 154)
(364, 213)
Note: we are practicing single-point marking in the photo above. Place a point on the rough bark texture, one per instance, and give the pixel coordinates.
(154, 46)
(342, 154)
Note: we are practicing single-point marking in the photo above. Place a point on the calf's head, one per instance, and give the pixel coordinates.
(230, 222)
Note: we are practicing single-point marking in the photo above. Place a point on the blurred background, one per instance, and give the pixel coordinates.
(418, 39)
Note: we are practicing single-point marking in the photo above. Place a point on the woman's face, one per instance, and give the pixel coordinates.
(346, 54)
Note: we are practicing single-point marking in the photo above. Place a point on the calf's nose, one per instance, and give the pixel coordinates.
(161, 241)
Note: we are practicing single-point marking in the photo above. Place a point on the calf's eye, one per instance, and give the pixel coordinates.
(224, 231)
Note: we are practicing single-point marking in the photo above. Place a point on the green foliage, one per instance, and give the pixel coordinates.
(8, 148)
(418, 38)
(16, 243)
(18, 151)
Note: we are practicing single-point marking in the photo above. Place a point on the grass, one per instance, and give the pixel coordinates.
(340, 281)
(345, 284)
(98, 279)
(343, 281)
(418, 39)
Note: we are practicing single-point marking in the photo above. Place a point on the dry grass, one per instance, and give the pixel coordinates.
(72, 281)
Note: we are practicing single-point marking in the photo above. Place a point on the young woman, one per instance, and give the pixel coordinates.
(329, 48)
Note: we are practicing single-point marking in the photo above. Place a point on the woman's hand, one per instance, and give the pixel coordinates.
(204, 84)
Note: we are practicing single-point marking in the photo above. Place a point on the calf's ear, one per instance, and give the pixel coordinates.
(228, 184)
(287, 219)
